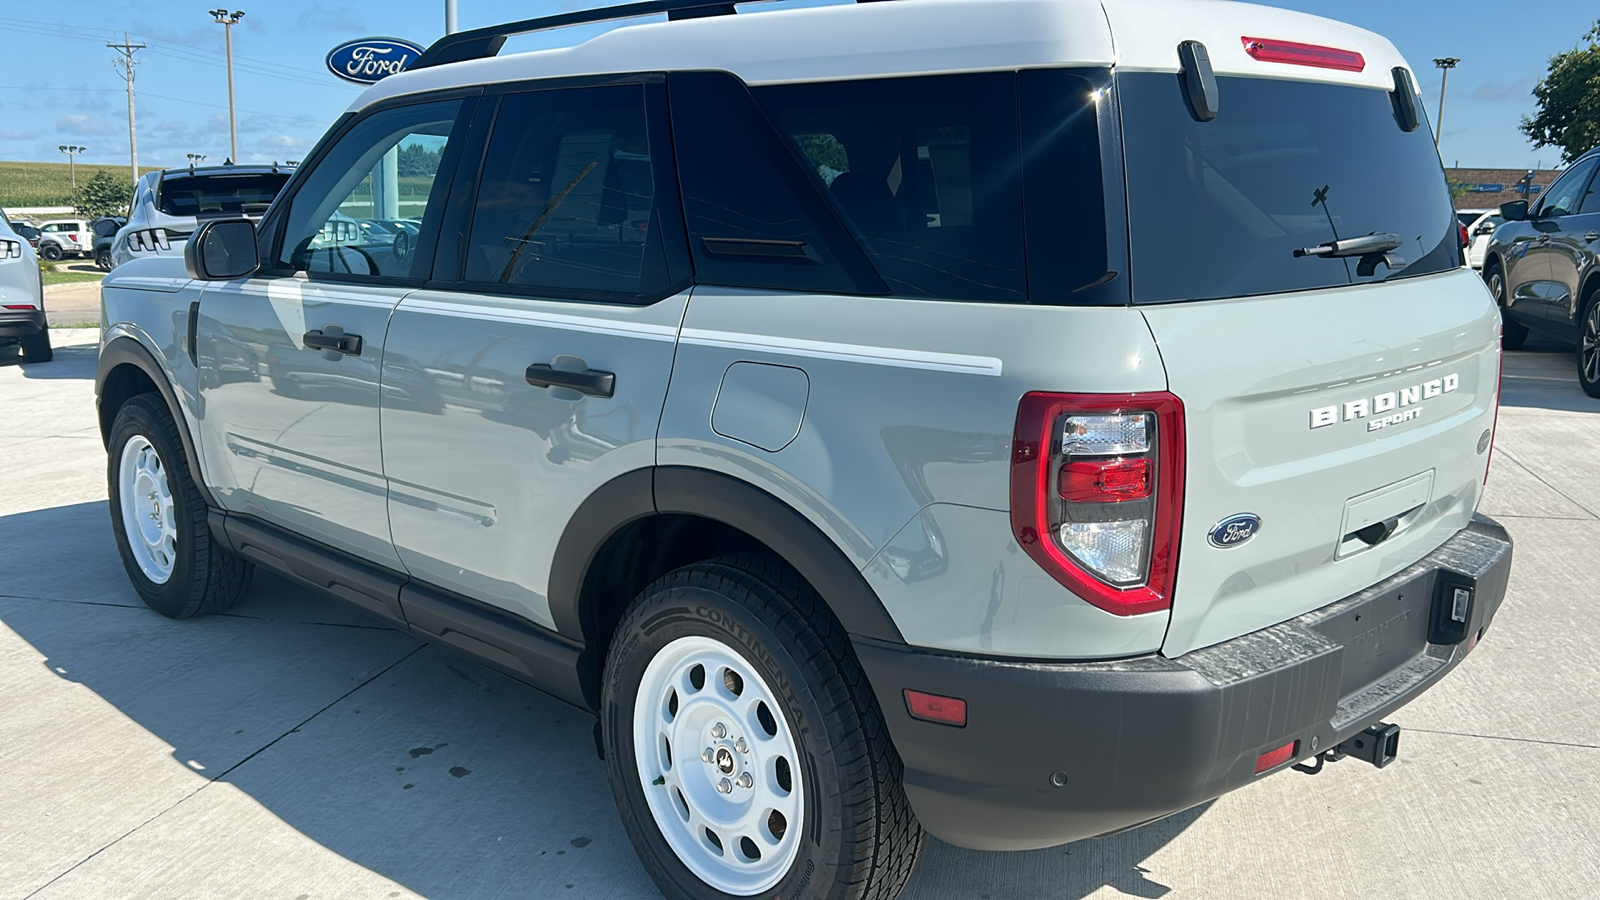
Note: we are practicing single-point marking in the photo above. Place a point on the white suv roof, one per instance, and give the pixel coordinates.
(905, 37)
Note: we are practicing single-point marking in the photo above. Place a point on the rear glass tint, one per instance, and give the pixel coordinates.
(210, 195)
(1217, 209)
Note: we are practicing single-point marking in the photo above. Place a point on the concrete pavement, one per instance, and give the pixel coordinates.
(291, 748)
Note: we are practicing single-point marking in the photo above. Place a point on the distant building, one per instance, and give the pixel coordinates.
(1488, 188)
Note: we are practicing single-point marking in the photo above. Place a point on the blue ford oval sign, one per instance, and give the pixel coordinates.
(1234, 530)
(367, 60)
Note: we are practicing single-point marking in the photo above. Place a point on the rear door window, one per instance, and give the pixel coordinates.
(1218, 209)
(1565, 197)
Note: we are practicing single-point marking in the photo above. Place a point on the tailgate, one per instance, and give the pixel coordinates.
(1335, 416)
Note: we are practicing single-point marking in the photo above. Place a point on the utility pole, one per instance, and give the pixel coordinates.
(1446, 63)
(227, 20)
(124, 63)
(450, 17)
(72, 151)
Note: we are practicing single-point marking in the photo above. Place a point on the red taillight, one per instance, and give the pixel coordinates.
(934, 708)
(22, 306)
(1097, 494)
(1274, 758)
(1110, 481)
(1499, 382)
(1466, 241)
(1295, 53)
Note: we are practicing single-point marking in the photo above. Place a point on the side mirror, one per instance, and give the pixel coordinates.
(222, 251)
(1485, 228)
(1515, 211)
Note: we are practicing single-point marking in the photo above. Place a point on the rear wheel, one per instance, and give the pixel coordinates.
(1589, 346)
(159, 518)
(51, 252)
(746, 751)
(1514, 334)
(37, 349)
(102, 259)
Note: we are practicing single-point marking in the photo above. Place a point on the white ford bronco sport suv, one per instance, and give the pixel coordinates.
(1011, 419)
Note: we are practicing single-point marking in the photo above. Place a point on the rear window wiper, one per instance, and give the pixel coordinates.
(1371, 248)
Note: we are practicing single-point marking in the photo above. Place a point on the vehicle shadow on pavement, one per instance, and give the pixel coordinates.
(77, 361)
(402, 758)
(1544, 375)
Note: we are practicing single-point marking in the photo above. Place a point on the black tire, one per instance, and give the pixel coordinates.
(761, 608)
(1589, 345)
(1513, 334)
(37, 349)
(50, 251)
(102, 259)
(205, 578)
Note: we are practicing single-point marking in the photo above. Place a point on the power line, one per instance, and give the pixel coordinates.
(58, 30)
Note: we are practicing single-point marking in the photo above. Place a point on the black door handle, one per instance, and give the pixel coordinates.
(587, 381)
(348, 344)
(1592, 236)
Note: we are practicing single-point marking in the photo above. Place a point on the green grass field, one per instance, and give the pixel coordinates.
(46, 184)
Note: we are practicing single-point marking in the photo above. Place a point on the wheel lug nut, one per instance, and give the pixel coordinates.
(724, 786)
(719, 731)
(707, 755)
(745, 780)
(741, 746)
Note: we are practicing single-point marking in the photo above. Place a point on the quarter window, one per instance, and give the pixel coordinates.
(566, 203)
(362, 211)
(1565, 196)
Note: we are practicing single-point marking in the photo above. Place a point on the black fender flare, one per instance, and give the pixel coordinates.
(722, 498)
(124, 350)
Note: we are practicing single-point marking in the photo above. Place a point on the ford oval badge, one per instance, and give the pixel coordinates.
(368, 60)
(1234, 530)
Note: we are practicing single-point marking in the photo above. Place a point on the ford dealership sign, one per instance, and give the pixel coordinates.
(367, 60)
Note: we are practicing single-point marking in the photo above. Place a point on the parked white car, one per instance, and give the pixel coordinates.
(22, 318)
(65, 237)
(1479, 231)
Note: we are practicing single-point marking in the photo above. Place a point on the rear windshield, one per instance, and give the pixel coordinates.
(1218, 209)
(209, 195)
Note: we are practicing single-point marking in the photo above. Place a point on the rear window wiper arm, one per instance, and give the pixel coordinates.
(1371, 248)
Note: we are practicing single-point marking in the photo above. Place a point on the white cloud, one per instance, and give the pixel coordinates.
(79, 124)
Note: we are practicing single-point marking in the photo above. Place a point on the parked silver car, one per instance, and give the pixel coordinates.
(22, 315)
(169, 205)
(1010, 420)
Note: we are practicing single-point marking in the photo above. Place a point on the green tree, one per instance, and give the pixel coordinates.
(1569, 100)
(103, 194)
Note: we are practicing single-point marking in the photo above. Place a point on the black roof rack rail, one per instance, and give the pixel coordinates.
(481, 43)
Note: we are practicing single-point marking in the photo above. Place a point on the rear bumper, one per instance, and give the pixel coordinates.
(1142, 738)
(21, 323)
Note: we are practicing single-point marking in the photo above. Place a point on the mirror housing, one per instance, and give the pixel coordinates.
(1485, 228)
(1515, 211)
(222, 250)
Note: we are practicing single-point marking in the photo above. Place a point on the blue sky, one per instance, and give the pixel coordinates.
(57, 85)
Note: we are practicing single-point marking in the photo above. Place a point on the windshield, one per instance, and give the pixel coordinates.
(1218, 209)
(211, 195)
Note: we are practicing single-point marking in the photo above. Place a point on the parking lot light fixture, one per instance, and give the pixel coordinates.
(195, 159)
(72, 151)
(1445, 63)
(227, 20)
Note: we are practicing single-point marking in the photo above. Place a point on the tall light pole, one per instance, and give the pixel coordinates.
(72, 152)
(227, 20)
(124, 63)
(1446, 63)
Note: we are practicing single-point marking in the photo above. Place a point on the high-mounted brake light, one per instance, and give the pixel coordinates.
(1097, 494)
(1295, 53)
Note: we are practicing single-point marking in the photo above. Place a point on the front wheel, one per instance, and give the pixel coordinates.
(159, 518)
(1589, 347)
(746, 752)
(1513, 334)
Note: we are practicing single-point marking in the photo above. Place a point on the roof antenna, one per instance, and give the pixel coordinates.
(1199, 83)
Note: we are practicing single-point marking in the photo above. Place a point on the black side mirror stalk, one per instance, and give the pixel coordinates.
(1515, 211)
(222, 250)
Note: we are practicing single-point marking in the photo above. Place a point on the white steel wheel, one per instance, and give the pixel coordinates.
(719, 766)
(149, 519)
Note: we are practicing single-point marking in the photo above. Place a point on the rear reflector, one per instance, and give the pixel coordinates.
(1274, 758)
(23, 306)
(934, 708)
(1295, 53)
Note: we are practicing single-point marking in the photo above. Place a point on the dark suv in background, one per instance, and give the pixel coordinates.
(1543, 266)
